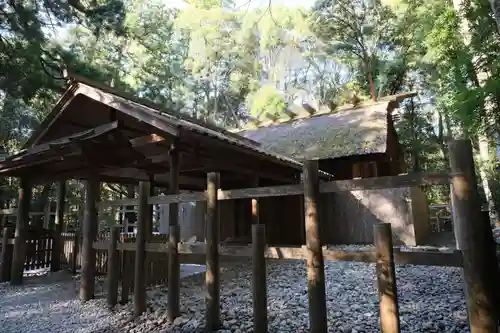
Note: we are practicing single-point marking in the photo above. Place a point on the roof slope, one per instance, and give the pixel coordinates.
(355, 131)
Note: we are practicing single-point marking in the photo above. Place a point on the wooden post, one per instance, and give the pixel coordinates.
(126, 278)
(57, 246)
(259, 288)
(143, 217)
(475, 240)
(19, 255)
(89, 235)
(76, 250)
(173, 240)
(386, 278)
(212, 278)
(315, 265)
(6, 259)
(113, 266)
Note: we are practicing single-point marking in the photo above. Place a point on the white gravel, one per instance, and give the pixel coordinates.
(431, 300)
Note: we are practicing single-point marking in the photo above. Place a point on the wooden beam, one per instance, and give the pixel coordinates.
(406, 180)
(145, 140)
(338, 186)
(405, 257)
(140, 301)
(19, 255)
(475, 240)
(386, 279)
(57, 247)
(173, 306)
(315, 265)
(89, 234)
(145, 114)
(212, 278)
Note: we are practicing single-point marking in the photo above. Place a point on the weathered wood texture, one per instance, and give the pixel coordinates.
(19, 255)
(315, 265)
(259, 286)
(212, 275)
(405, 257)
(6, 256)
(406, 180)
(386, 279)
(89, 235)
(58, 223)
(475, 240)
(173, 304)
(113, 267)
(140, 301)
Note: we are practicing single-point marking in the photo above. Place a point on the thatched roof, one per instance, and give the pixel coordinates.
(358, 130)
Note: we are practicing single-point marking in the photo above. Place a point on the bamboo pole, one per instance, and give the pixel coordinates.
(212, 278)
(386, 278)
(315, 265)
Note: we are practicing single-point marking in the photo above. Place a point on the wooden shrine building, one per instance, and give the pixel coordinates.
(352, 142)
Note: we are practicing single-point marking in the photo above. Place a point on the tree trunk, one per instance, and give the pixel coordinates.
(372, 86)
(495, 8)
(478, 77)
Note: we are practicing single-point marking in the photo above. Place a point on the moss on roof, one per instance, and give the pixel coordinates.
(356, 131)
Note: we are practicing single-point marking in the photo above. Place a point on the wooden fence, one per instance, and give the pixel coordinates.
(475, 255)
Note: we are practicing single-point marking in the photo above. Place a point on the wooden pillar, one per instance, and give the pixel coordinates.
(174, 267)
(386, 278)
(19, 255)
(89, 235)
(113, 266)
(259, 287)
(315, 265)
(140, 301)
(6, 258)
(57, 247)
(212, 278)
(127, 257)
(475, 240)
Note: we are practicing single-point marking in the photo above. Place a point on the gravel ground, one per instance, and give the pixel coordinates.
(431, 300)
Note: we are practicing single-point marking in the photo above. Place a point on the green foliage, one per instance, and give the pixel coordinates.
(219, 62)
(267, 100)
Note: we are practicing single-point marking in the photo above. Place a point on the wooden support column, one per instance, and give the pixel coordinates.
(113, 266)
(6, 258)
(140, 301)
(259, 287)
(174, 267)
(55, 263)
(19, 255)
(386, 279)
(212, 278)
(315, 264)
(89, 235)
(475, 240)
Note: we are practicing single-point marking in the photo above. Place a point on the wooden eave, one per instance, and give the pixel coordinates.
(129, 141)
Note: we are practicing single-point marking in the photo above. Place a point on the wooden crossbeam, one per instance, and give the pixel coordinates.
(401, 257)
(407, 180)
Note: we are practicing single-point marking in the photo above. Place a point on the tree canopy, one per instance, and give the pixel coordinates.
(223, 61)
